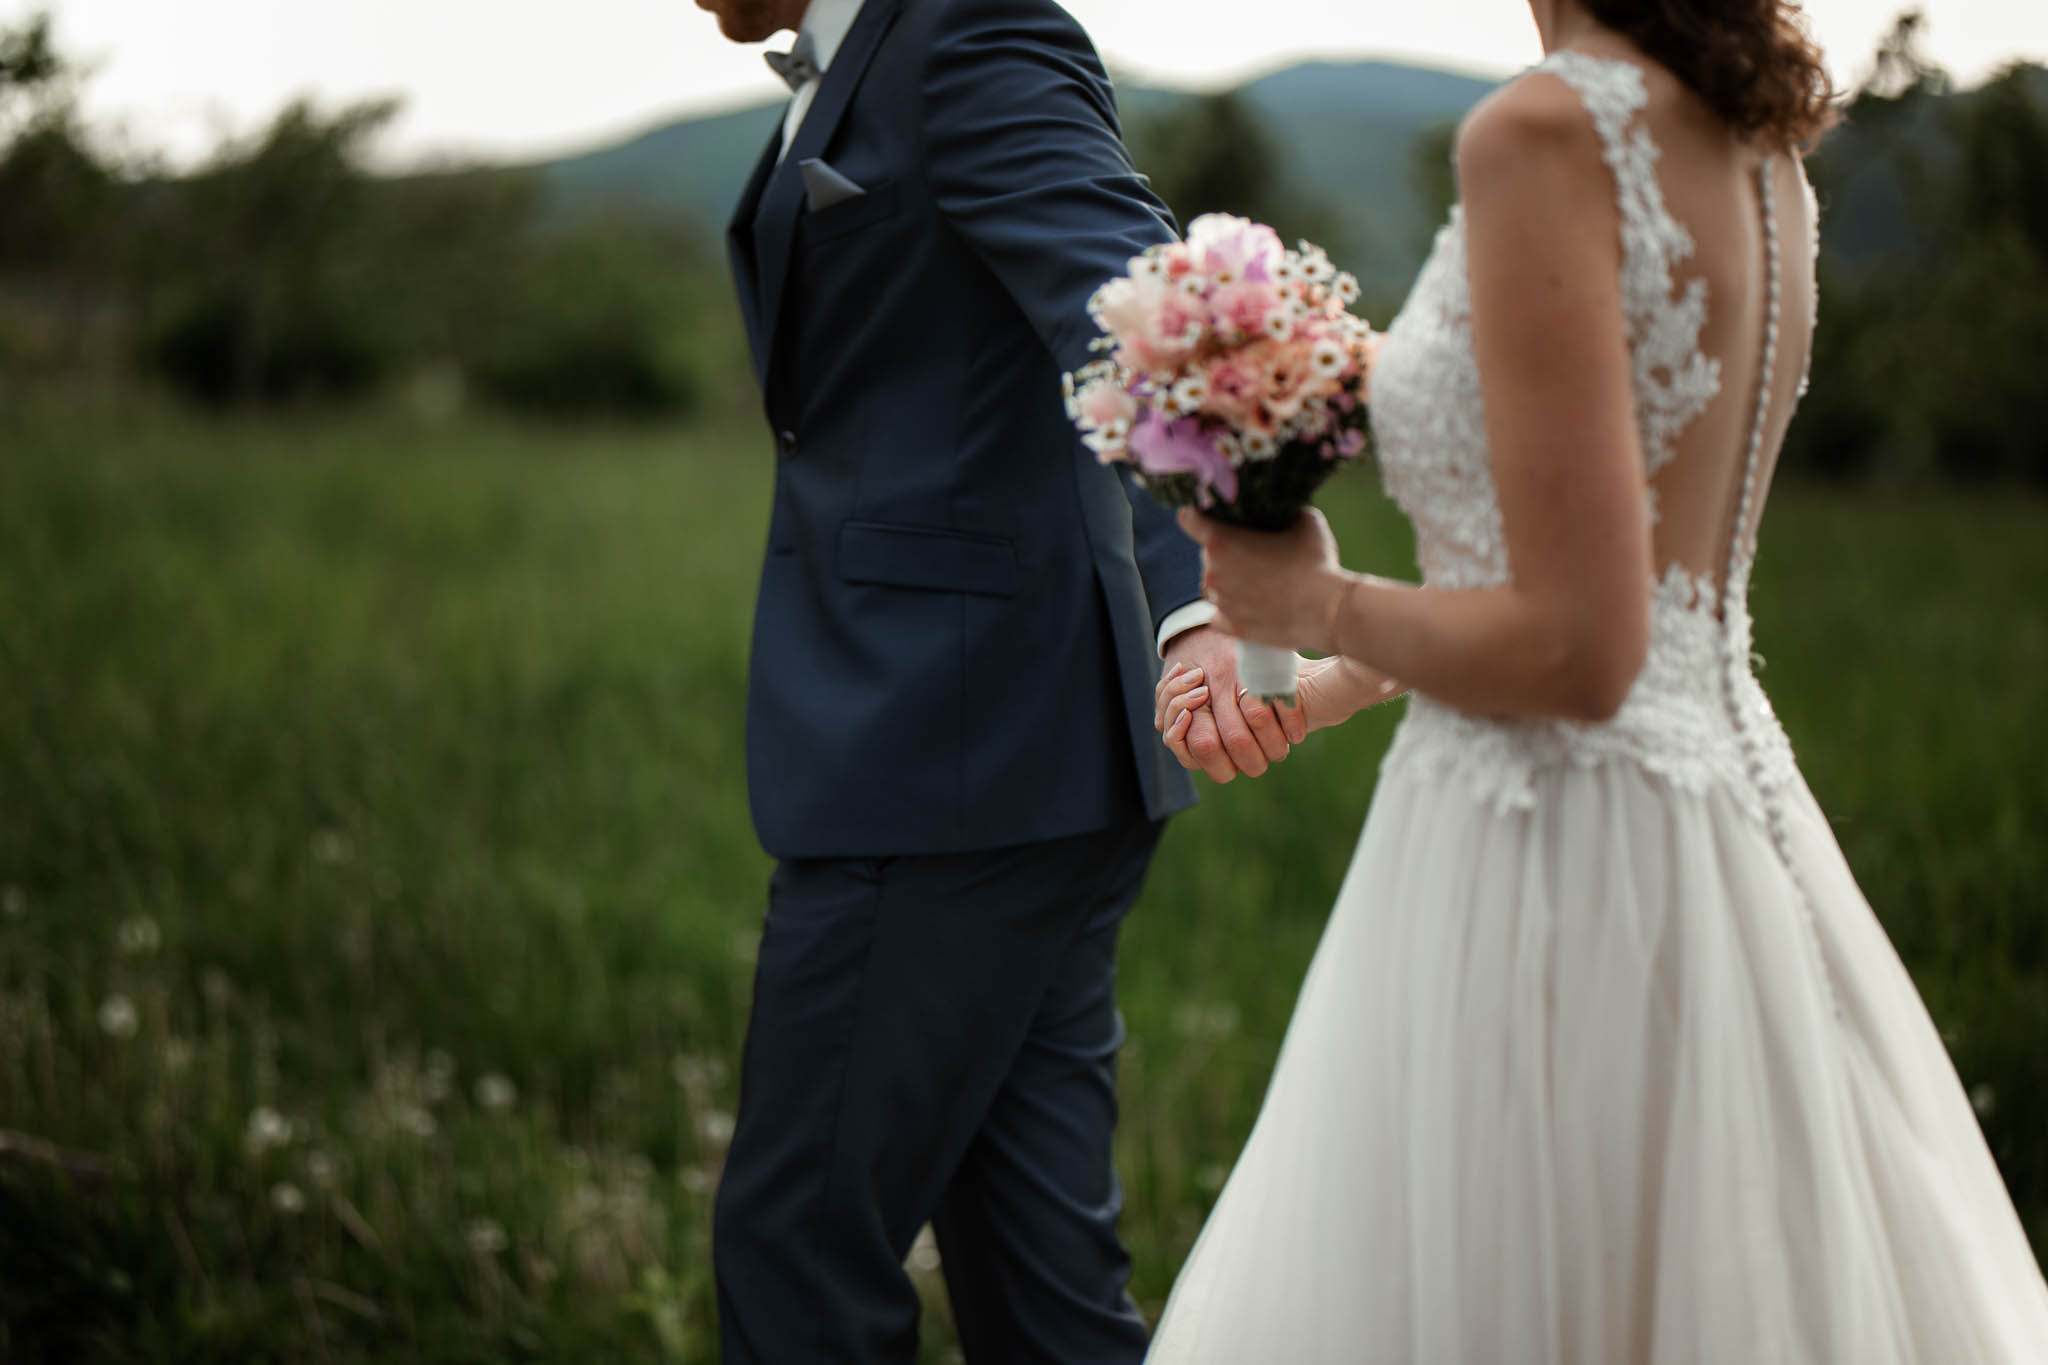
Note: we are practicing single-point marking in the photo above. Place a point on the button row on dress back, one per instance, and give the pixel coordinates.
(1734, 592)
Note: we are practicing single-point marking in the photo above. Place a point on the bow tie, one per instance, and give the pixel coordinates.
(798, 67)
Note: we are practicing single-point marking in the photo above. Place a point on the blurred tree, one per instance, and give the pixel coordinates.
(267, 292)
(1902, 68)
(1211, 154)
(1934, 278)
(1433, 166)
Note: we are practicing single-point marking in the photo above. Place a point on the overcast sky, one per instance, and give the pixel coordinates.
(518, 78)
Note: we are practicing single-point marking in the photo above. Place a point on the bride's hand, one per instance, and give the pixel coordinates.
(1183, 694)
(1275, 587)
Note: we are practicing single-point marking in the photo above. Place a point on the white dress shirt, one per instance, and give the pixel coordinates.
(828, 22)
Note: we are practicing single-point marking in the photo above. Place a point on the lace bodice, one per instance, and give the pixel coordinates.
(1695, 714)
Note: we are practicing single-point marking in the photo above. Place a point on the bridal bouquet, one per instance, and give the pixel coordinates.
(1233, 379)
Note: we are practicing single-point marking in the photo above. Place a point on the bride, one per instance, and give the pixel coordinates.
(1603, 1058)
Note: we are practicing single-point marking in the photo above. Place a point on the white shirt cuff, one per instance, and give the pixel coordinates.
(1183, 619)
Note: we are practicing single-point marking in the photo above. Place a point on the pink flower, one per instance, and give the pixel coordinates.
(1242, 306)
(1234, 391)
(1180, 447)
(1105, 403)
(1350, 443)
(1235, 247)
(1125, 308)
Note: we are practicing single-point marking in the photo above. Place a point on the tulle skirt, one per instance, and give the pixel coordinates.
(1607, 1080)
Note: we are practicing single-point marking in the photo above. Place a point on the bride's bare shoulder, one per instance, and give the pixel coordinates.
(1532, 131)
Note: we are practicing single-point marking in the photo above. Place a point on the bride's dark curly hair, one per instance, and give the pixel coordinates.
(1750, 60)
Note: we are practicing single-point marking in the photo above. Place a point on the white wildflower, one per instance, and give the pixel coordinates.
(320, 1169)
(215, 985)
(1259, 446)
(1105, 446)
(1983, 1099)
(715, 1126)
(1346, 289)
(1328, 358)
(1191, 392)
(485, 1237)
(13, 902)
(437, 1077)
(1206, 1021)
(138, 936)
(267, 1129)
(1147, 267)
(495, 1092)
(117, 1017)
(287, 1198)
(1280, 322)
(1192, 286)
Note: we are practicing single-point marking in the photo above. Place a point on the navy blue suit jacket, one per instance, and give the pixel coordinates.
(954, 646)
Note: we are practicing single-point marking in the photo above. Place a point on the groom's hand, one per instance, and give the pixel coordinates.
(1214, 724)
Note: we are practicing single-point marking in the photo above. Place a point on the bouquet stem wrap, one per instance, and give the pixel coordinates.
(1268, 672)
(1233, 379)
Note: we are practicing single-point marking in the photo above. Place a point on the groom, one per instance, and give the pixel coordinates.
(950, 749)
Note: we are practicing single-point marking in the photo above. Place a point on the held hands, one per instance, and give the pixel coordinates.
(1276, 587)
(1209, 722)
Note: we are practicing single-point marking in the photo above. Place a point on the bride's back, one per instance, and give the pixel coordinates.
(1710, 184)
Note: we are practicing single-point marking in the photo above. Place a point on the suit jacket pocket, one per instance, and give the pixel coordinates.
(927, 557)
(849, 215)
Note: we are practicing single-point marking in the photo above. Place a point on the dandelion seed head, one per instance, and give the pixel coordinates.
(138, 936)
(287, 1198)
(331, 847)
(267, 1129)
(117, 1017)
(715, 1127)
(216, 986)
(438, 1076)
(1983, 1099)
(495, 1092)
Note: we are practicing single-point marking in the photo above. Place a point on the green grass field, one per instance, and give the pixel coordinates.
(377, 893)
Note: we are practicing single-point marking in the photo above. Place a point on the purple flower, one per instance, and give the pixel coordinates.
(1181, 447)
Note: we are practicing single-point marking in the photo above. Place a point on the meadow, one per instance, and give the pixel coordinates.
(377, 895)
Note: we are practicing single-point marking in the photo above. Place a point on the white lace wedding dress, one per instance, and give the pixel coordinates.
(1603, 1059)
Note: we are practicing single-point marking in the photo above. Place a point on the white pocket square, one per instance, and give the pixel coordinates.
(823, 186)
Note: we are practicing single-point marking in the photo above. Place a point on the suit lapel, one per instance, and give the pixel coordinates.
(739, 246)
(782, 200)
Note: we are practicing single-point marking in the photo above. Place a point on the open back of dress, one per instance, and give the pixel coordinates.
(1603, 1058)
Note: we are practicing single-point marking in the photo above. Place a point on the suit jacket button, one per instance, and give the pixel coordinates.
(785, 444)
